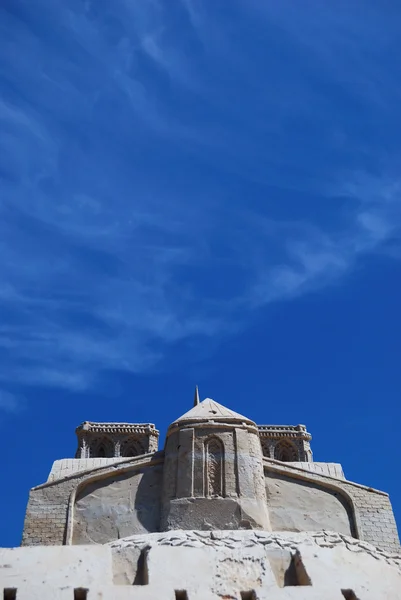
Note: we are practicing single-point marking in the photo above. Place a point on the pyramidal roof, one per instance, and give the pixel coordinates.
(210, 410)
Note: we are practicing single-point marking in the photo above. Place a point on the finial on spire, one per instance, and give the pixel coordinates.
(196, 396)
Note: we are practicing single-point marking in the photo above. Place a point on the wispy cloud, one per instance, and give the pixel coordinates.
(154, 190)
(316, 258)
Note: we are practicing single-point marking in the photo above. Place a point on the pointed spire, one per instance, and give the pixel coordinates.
(196, 396)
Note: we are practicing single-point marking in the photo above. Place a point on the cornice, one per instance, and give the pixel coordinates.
(91, 427)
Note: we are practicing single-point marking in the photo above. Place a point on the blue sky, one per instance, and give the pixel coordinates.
(199, 192)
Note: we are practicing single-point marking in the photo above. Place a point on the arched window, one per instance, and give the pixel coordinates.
(286, 451)
(131, 447)
(102, 448)
(214, 454)
(266, 448)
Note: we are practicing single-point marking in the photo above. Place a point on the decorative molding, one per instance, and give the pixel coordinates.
(246, 539)
(148, 428)
(286, 431)
(214, 453)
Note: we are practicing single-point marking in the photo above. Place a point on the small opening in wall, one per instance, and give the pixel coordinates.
(142, 571)
(250, 595)
(296, 573)
(349, 595)
(80, 594)
(9, 593)
(181, 595)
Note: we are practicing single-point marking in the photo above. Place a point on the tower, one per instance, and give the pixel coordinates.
(112, 440)
(213, 471)
(288, 443)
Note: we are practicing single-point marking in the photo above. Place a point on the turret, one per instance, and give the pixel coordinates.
(213, 472)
